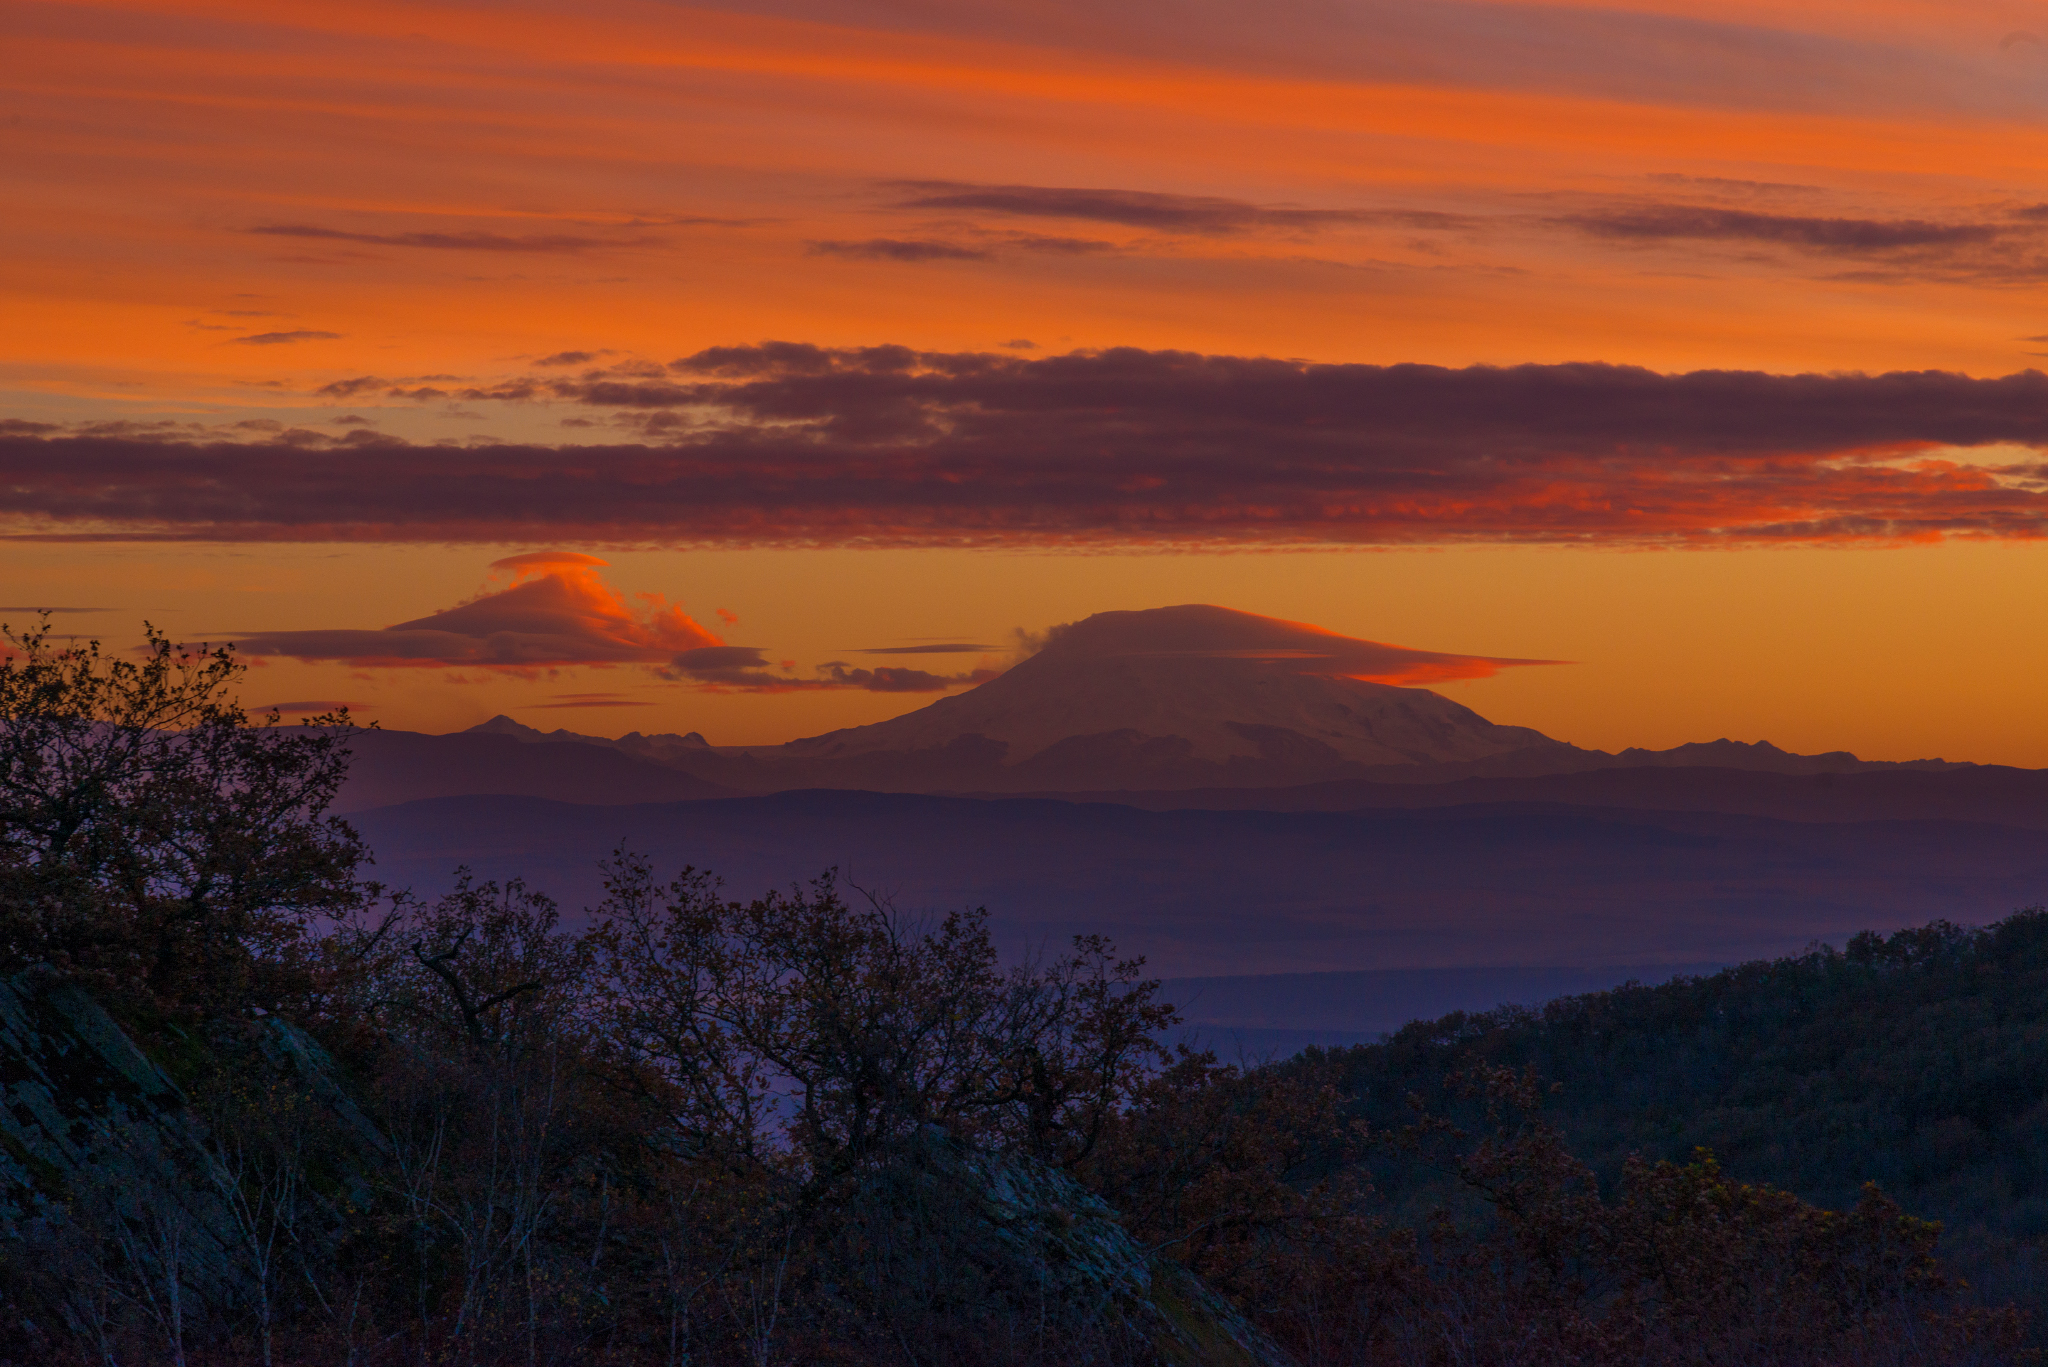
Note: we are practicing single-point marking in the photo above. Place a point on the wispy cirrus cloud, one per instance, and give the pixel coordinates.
(1145, 208)
(1666, 222)
(748, 669)
(587, 700)
(890, 679)
(985, 246)
(286, 338)
(789, 443)
(1995, 246)
(898, 249)
(472, 241)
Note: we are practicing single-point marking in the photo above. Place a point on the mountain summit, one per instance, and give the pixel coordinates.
(1181, 698)
(1227, 686)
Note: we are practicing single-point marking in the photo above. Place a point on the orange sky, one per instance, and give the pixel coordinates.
(216, 210)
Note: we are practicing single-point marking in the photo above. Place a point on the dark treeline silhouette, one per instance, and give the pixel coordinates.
(794, 1129)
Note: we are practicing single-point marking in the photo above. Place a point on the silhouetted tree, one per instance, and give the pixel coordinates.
(151, 835)
(843, 1030)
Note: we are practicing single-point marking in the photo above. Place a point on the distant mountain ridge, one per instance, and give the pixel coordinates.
(1183, 698)
(1127, 764)
(405, 766)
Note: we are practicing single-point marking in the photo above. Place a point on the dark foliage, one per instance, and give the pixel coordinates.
(1918, 1061)
(151, 839)
(806, 1129)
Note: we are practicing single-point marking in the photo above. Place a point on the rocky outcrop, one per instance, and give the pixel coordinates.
(92, 1132)
(107, 1170)
(1082, 1248)
(959, 1235)
(99, 1145)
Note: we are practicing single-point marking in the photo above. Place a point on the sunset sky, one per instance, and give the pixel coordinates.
(772, 367)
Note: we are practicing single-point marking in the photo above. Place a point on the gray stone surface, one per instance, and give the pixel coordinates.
(88, 1121)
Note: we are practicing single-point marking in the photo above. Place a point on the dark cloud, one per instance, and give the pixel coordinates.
(22, 427)
(455, 242)
(316, 707)
(124, 427)
(348, 389)
(1060, 246)
(898, 249)
(594, 700)
(1659, 222)
(611, 394)
(747, 669)
(887, 679)
(281, 338)
(789, 443)
(737, 667)
(1138, 208)
(1726, 184)
(2008, 247)
(571, 358)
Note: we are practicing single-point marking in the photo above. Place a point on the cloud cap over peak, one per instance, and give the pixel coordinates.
(1199, 631)
(1216, 684)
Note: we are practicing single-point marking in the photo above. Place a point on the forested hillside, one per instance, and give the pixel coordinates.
(1918, 1061)
(257, 1109)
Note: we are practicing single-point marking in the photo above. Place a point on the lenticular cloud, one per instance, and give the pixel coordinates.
(555, 611)
(1199, 632)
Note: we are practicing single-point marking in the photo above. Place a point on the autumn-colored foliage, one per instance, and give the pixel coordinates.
(798, 1128)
